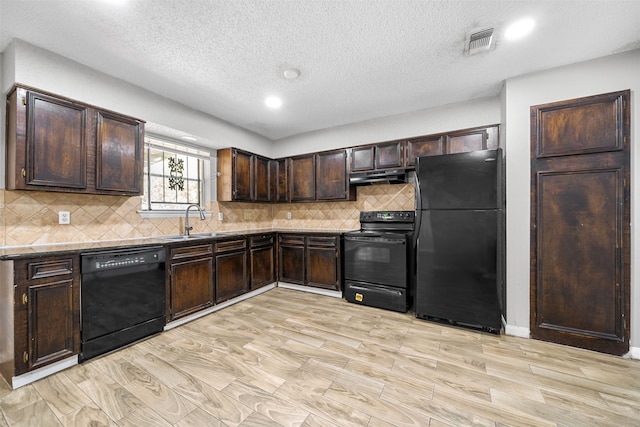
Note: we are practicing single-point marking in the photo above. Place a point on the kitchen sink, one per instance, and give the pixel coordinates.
(189, 237)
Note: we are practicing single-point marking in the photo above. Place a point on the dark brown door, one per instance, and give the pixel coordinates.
(262, 179)
(231, 275)
(291, 258)
(303, 178)
(331, 175)
(362, 158)
(282, 176)
(463, 142)
(422, 147)
(56, 142)
(322, 262)
(119, 143)
(390, 155)
(262, 266)
(242, 175)
(580, 217)
(191, 286)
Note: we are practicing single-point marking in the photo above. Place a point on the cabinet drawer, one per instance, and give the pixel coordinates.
(231, 245)
(262, 240)
(26, 270)
(322, 241)
(190, 251)
(289, 239)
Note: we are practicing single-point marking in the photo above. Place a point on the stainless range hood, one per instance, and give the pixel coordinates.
(395, 176)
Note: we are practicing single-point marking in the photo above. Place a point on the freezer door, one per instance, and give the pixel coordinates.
(461, 181)
(458, 272)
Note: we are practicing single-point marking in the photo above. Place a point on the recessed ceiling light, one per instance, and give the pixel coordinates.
(519, 29)
(273, 102)
(188, 138)
(291, 73)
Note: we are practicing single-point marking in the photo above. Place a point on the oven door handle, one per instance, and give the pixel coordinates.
(376, 240)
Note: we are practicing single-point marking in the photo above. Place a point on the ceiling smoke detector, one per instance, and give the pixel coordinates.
(480, 41)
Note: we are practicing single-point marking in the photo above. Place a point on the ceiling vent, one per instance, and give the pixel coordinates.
(480, 41)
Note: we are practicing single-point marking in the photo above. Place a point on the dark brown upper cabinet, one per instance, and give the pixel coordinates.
(243, 176)
(280, 170)
(261, 179)
(460, 141)
(58, 144)
(385, 155)
(332, 178)
(422, 147)
(302, 178)
(475, 139)
(119, 153)
(362, 158)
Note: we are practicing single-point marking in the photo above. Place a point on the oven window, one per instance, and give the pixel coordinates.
(378, 262)
(374, 254)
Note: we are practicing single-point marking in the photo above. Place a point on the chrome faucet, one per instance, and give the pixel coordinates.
(187, 227)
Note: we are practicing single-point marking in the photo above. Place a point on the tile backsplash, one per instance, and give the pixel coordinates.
(31, 217)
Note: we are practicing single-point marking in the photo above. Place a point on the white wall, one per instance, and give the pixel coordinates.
(609, 74)
(478, 112)
(36, 67)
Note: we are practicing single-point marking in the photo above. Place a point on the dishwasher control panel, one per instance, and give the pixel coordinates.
(110, 260)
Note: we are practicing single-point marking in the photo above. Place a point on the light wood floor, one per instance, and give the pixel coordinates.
(289, 358)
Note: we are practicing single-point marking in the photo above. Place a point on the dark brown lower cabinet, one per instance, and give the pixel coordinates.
(262, 260)
(45, 304)
(191, 280)
(232, 278)
(310, 260)
(291, 258)
(322, 255)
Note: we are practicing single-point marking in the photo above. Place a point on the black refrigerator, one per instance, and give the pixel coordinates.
(460, 247)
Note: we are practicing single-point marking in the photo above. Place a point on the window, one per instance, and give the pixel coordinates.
(174, 175)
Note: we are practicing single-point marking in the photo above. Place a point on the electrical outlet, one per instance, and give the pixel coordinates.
(248, 215)
(220, 216)
(288, 215)
(64, 217)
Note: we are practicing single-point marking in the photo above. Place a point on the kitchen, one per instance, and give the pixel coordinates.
(32, 218)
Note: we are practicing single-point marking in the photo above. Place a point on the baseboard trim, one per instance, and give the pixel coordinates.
(45, 371)
(319, 291)
(517, 331)
(217, 307)
(634, 353)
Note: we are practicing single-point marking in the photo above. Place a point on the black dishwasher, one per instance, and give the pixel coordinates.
(122, 298)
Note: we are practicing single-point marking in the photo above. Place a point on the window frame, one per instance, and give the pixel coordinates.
(168, 145)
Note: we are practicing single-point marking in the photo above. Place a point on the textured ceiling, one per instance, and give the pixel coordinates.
(359, 59)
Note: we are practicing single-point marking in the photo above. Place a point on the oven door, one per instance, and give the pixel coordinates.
(376, 259)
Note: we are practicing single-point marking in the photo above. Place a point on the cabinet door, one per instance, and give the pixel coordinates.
(56, 149)
(303, 183)
(242, 175)
(362, 159)
(47, 311)
(262, 179)
(191, 286)
(390, 155)
(322, 263)
(262, 258)
(231, 274)
(465, 141)
(282, 191)
(119, 143)
(422, 147)
(52, 323)
(291, 259)
(332, 182)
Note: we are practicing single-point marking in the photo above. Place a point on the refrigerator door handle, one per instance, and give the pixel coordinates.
(418, 217)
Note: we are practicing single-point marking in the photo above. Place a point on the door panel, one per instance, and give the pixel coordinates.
(577, 252)
(580, 218)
